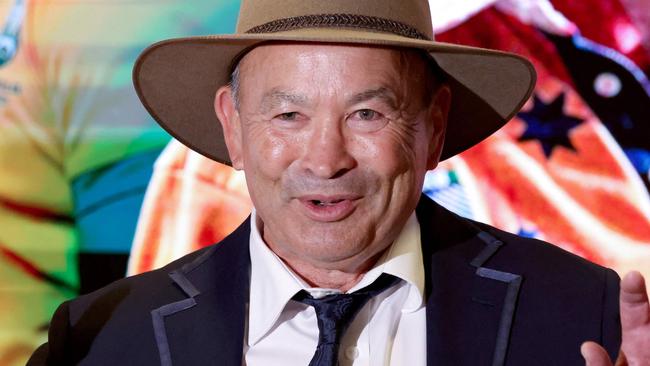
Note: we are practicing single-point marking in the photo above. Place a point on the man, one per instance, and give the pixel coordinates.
(335, 110)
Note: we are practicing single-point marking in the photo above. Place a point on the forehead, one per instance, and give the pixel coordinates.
(323, 61)
(281, 50)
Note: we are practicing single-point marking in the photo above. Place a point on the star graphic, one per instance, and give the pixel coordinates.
(548, 124)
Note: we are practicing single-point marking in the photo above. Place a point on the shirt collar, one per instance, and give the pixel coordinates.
(273, 284)
(404, 261)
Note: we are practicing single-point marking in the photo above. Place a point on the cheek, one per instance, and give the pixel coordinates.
(266, 152)
(386, 158)
(399, 157)
(393, 151)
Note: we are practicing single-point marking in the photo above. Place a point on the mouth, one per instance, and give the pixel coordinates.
(328, 208)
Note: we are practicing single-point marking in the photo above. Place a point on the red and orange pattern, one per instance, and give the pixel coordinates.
(588, 200)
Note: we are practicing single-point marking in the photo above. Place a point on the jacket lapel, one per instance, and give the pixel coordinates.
(470, 307)
(207, 327)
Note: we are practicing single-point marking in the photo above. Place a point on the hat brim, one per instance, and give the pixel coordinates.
(177, 80)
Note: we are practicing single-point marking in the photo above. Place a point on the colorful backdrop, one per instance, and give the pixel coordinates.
(81, 160)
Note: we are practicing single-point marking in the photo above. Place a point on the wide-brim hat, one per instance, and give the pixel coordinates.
(177, 79)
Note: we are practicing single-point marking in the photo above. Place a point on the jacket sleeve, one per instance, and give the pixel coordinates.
(611, 321)
(54, 351)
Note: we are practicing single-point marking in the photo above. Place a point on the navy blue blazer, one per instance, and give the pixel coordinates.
(492, 298)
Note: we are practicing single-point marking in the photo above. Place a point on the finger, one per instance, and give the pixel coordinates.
(635, 310)
(594, 354)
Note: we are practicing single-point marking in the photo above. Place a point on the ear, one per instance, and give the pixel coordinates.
(439, 110)
(228, 115)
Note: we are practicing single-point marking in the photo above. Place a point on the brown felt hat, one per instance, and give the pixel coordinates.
(177, 79)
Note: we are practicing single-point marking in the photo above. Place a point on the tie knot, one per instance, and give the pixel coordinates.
(335, 312)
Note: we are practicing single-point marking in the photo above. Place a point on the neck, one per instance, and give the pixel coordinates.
(323, 276)
(340, 273)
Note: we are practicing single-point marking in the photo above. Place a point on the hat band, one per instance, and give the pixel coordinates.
(339, 21)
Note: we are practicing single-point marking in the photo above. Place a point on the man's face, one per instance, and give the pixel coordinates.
(334, 141)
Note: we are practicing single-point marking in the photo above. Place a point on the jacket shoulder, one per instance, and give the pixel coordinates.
(146, 286)
(559, 290)
(530, 256)
(114, 323)
(149, 288)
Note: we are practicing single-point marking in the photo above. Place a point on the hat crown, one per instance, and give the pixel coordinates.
(413, 13)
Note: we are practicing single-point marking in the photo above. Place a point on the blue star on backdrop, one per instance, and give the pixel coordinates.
(548, 124)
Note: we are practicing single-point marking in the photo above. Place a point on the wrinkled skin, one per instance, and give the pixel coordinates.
(335, 141)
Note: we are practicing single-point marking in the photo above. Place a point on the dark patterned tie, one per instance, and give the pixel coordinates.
(335, 313)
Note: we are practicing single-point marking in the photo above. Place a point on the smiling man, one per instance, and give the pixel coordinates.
(335, 141)
(335, 110)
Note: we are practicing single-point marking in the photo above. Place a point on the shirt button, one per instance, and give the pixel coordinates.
(351, 353)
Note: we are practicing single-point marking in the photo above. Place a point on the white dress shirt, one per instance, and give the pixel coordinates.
(389, 330)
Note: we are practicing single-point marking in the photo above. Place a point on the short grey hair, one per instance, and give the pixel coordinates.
(434, 76)
(234, 85)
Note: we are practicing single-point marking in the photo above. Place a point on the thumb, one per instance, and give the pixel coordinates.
(635, 308)
(594, 354)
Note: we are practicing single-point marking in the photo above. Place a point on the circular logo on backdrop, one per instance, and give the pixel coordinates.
(10, 31)
(8, 47)
(607, 85)
(9, 43)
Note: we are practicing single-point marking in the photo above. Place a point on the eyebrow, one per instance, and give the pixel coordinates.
(273, 98)
(382, 93)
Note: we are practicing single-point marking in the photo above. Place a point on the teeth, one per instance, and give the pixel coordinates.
(324, 203)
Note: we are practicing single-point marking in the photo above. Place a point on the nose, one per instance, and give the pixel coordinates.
(326, 153)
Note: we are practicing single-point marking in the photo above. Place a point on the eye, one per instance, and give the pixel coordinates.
(290, 120)
(367, 114)
(288, 116)
(367, 120)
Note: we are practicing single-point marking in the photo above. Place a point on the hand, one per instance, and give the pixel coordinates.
(635, 323)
